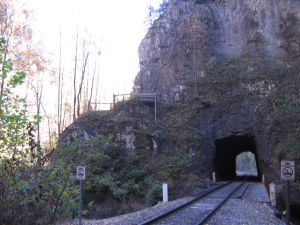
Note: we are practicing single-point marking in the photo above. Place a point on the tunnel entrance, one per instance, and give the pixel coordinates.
(227, 150)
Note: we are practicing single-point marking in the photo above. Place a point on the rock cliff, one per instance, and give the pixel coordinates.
(190, 35)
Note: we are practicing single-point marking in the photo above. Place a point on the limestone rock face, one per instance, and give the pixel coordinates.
(190, 35)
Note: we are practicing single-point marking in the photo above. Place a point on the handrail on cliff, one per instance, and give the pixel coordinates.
(145, 97)
(142, 97)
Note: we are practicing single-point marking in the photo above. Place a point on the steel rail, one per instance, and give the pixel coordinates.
(196, 198)
(204, 219)
(240, 196)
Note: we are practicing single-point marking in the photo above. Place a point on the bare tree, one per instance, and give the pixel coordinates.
(86, 92)
(89, 106)
(50, 138)
(97, 90)
(38, 92)
(83, 73)
(60, 88)
(67, 111)
(74, 78)
(97, 82)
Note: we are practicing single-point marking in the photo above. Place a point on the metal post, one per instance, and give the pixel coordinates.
(287, 203)
(114, 99)
(155, 118)
(272, 191)
(165, 192)
(80, 203)
(214, 177)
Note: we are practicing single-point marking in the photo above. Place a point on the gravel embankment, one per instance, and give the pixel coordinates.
(241, 212)
(256, 192)
(253, 209)
(132, 218)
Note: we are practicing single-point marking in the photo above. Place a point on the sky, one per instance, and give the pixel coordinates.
(117, 27)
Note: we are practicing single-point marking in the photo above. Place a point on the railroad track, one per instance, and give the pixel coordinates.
(202, 207)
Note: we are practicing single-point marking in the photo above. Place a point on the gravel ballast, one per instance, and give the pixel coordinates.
(253, 209)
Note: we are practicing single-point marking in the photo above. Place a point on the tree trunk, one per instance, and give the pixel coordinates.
(51, 145)
(59, 90)
(74, 79)
(92, 88)
(97, 84)
(3, 77)
(83, 70)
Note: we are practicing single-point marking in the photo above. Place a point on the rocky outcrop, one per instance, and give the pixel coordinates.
(190, 35)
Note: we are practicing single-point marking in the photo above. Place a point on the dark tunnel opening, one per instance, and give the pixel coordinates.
(227, 150)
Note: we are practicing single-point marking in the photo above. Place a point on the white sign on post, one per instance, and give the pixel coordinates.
(80, 173)
(287, 170)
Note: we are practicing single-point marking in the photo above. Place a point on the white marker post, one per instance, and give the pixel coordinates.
(288, 175)
(80, 175)
(165, 192)
(272, 191)
(214, 177)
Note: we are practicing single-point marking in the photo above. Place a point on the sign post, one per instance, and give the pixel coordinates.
(80, 175)
(288, 175)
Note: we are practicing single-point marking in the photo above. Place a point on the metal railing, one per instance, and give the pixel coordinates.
(142, 97)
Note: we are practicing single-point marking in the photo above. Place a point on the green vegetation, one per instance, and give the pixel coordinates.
(31, 192)
(113, 172)
(272, 85)
(128, 177)
(15, 154)
(19, 156)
